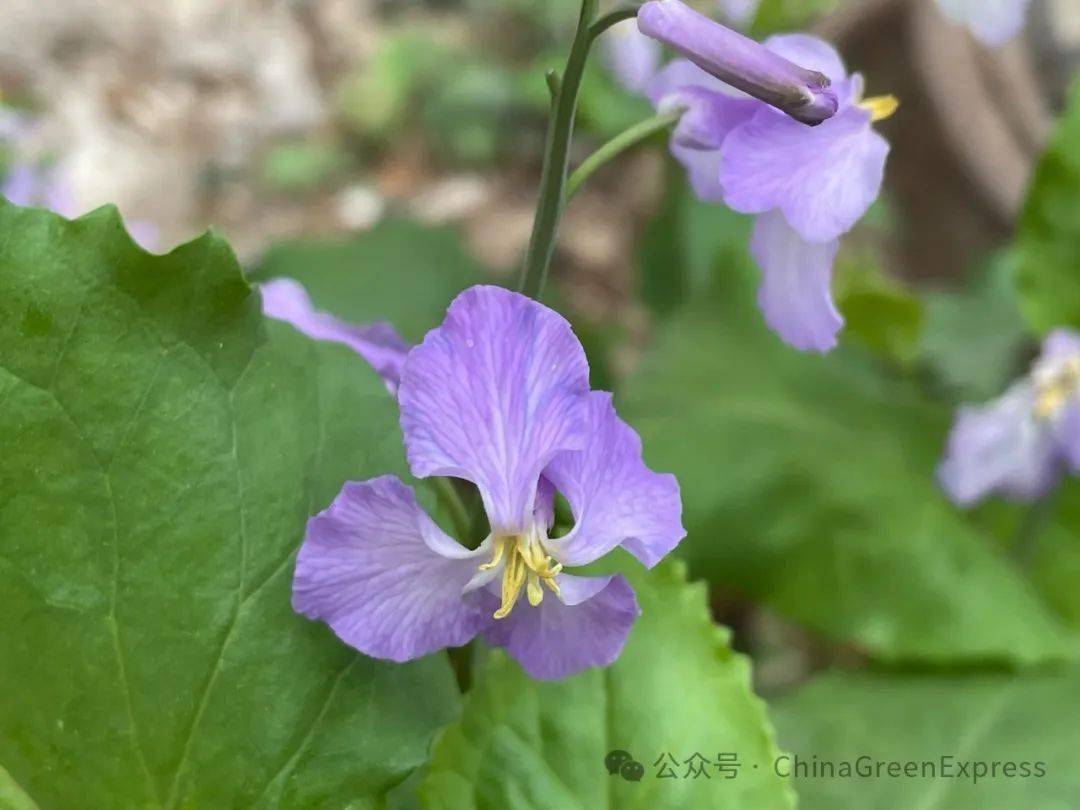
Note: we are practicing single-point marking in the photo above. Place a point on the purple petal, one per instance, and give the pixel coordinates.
(809, 52)
(378, 343)
(739, 61)
(145, 234)
(702, 169)
(1000, 447)
(586, 627)
(616, 499)
(795, 294)
(21, 186)
(1067, 433)
(385, 578)
(994, 22)
(491, 396)
(59, 197)
(823, 179)
(708, 116)
(631, 56)
(1061, 344)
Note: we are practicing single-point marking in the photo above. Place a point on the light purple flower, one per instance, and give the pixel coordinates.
(739, 12)
(808, 185)
(631, 56)
(994, 22)
(740, 62)
(1021, 444)
(378, 343)
(497, 395)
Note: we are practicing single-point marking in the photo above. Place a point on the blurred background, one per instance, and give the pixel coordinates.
(387, 153)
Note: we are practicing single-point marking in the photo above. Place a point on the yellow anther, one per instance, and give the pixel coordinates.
(880, 107)
(525, 565)
(1054, 389)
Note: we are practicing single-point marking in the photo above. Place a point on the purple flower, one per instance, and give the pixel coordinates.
(497, 395)
(739, 61)
(631, 56)
(994, 22)
(379, 343)
(808, 185)
(1021, 444)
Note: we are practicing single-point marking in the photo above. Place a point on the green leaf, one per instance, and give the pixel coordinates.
(163, 446)
(1048, 242)
(974, 337)
(879, 312)
(808, 482)
(13, 797)
(984, 719)
(677, 688)
(777, 16)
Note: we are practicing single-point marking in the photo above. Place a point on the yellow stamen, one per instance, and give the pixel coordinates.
(880, 107)
(1056, 388)
(526, 566)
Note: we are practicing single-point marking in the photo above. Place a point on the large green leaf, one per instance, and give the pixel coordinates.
(677, 689)
(13, 797)
(1048, 243)
(979, 720)
(163, 446)
(808, 482)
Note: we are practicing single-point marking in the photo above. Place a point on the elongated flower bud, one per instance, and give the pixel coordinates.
(740, 61)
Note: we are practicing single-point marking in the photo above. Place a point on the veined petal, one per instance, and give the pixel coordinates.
(491, 396)
(378, 343)
(1001, 448)
(385, 578)
(615, 498)
(994, 22)
(795, 294)
(586, 626)
(823, 179)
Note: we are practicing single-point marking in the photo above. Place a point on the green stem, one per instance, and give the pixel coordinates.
(613, 18)
(641, 131)
(449, 498)
(549, 207)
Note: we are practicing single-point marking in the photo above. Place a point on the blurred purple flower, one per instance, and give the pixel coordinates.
(738, 12)
(378, 343)
(994, 22)
(808, 184)
(631, 56)
(497, 395)
(1021, 444)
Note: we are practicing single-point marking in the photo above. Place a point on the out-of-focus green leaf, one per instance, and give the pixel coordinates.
(163, 447)
(974, 338)
(301, 166)
(781, 16)
(400, 271)
(1048, 242)
(13, 797)
(879, 312)
(808, 482)
(466, 119)
(378, 99)
(676, 689)
(983, 721)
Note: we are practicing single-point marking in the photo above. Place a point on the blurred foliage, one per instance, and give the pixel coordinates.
(880, 313)
(302, 166)
(808, 482)
(1048, 242)
(987, 719)
(782, 16)
(523, 744)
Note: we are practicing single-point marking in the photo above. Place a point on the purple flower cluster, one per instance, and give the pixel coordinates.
(497, 395)
(1021, 444)
(796, 148)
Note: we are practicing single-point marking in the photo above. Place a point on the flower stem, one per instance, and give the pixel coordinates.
(641, 131)
(549, 208)
(612, 18)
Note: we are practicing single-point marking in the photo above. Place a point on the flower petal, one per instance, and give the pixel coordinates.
(491, 396)
(586, 627)
(378, 343)
(994, 22)
(822, 178)
(615, 498)
(795, 295)
(702, 169)
(809, 52)
(385, 578)
(1000, 447)
(1061, 344)
(1067, 433)
(631, 56)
